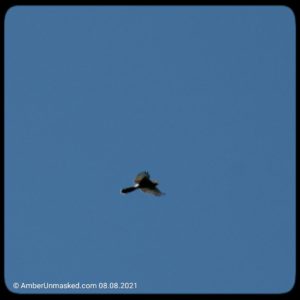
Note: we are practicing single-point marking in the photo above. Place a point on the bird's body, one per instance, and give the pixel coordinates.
(143, 182)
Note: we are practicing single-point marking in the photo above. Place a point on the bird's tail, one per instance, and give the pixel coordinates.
(128, 189)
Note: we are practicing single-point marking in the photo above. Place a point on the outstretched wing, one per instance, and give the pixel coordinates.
(141, 176)
(154, 191)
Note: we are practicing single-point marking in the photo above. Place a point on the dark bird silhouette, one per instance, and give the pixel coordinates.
(143, 182)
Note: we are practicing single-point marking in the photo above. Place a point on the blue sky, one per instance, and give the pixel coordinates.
(201, 97)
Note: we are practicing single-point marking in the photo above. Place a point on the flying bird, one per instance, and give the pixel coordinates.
(143, 182)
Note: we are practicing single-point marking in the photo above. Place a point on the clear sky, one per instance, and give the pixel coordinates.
(201, 97)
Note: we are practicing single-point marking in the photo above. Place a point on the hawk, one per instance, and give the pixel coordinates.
(143, 182)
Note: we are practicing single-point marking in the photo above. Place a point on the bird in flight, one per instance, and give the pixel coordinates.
(143, 182)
